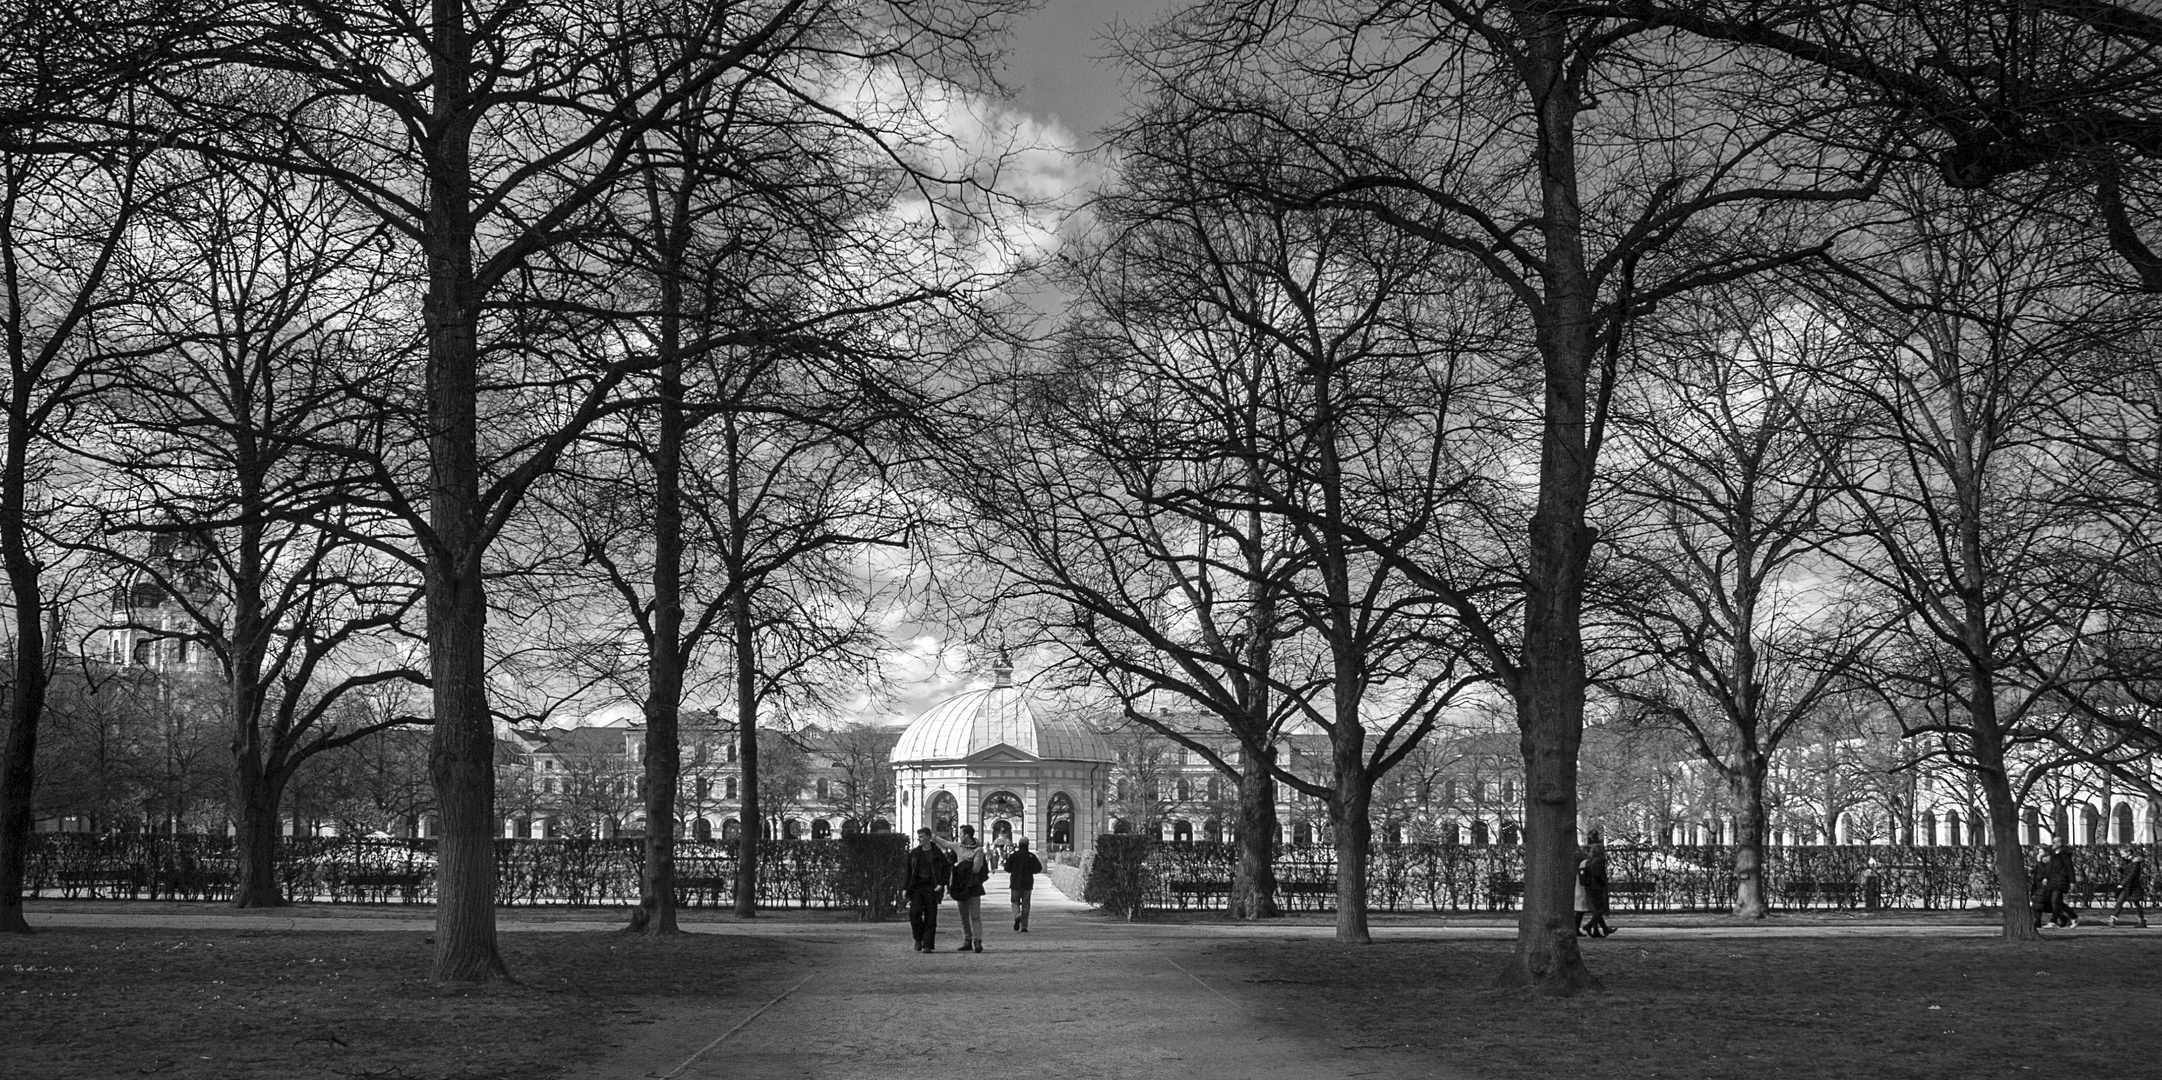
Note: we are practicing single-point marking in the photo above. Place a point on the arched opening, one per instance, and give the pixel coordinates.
(881, 825)
(701, 830)
(1182, 831)
(792, 829)
(1452, 833)
(1951, 827)
(1213, 829)
(821, 829)
(2090, 824)
(1929, 828)
(1120, 827)
(1058, 822)
(2030, 820)
(1479, 834)
(850, 828)
(731, 829)
(943, 815)
(2060, 825)
(1393, 833)
(1302, 835)
(1001, 817)
(2124, 823)
(1510, 834)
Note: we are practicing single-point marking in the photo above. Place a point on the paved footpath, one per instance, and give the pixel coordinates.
(1079, 997)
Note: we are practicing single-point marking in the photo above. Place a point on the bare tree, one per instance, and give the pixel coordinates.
(1722, 588)
(860, 758)
(1586, 172)
(1955, 487)
(71, 197)
(230, 454)
(490, 136)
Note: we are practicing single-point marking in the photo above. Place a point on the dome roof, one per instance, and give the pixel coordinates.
(970, 723)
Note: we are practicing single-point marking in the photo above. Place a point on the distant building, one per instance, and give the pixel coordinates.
(590, 781)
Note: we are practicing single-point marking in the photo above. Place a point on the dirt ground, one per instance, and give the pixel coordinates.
(300, 994)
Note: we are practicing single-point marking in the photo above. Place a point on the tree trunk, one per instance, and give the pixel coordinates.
(255, 835)
(258, 779)
(461, 756)
(1253, 881)
(18, 755)
(747, 754)
(1549, 687)
(1748, 788)
(656, 912)
(1988, 746)
(1354, 829)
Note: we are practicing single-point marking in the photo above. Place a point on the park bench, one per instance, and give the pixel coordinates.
(1801, 892)
(1506, 895)
(1196, 892)
(377, 886)
(1305, 895)
(110, 883)
(705, 890)
(193, 883)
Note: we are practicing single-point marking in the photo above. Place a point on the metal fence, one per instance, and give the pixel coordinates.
(860, 872)
(1489, 878)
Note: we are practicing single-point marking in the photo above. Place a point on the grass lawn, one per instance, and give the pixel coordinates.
(81, 1003)
(2084, 1002)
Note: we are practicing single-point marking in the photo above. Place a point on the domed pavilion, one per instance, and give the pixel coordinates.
(991, 759)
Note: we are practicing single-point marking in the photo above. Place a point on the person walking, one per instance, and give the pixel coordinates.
(1021, 869)
(1593, 877)
(2131, 884)
(971, 868)
(2056, 873)
(928, 872)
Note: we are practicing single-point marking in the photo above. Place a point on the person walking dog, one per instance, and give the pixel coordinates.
(1021, 869)
(928, 872)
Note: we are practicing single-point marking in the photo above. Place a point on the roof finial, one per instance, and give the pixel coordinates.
(1002, 672)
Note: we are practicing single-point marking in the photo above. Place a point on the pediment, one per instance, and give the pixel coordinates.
(1003, 753)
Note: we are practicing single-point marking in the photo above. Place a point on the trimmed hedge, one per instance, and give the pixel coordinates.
(862, 872)
(1120, 875)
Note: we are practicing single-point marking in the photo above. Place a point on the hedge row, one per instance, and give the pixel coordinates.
(861, 872)
(1129, 873)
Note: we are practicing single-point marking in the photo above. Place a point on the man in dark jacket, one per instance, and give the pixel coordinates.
(1021, 869)
(2131, 884)
(928, 872)
(2055, 872)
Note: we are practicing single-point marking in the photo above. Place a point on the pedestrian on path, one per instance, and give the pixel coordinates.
(2131, 884)
(1592, 880)
(1021, 869)
(971, 868)
(928, 872)
(2055, 874)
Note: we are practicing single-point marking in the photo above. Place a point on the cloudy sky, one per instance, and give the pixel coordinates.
(1052, 61)
(1064, 92)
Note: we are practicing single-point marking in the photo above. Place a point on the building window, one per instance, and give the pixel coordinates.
(731, 788)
